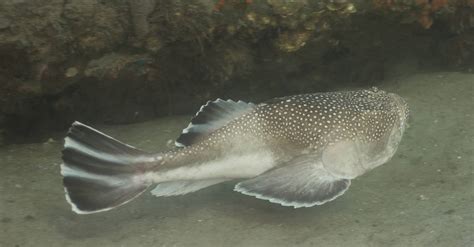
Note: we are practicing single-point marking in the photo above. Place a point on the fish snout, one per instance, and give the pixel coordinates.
(402, 109)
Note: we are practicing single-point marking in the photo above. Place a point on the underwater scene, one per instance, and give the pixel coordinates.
(236, 123)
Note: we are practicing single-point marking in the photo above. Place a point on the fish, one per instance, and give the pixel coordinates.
(297, 151)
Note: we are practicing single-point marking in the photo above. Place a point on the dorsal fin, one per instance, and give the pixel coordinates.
(212, 116)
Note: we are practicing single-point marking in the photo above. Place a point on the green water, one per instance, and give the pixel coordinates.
(423, 197)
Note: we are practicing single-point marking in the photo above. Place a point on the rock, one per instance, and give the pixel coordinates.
(4, 22)
(71, 72)
(287, 8)
(153, 44)
(107, 60)
(140, 10)
(2, 137)
(110, 65)
(95, 27)
(292, 41)
(80, 10)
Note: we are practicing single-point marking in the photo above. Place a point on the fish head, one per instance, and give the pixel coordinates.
(375, 114)
(400, 106)
(384, 108)
(381, 120)
(386, 125)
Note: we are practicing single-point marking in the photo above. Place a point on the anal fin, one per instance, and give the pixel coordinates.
(304, 183)
(176, 188)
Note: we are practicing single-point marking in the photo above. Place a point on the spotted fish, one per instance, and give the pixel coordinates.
(297, 151)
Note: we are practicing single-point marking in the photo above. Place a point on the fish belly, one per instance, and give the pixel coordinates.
(231, 166)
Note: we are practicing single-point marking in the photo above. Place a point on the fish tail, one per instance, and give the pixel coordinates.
(99, 172)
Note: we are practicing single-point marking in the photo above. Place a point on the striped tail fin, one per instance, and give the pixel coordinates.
(99, 172)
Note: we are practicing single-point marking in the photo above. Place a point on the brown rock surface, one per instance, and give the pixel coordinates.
(123, 61)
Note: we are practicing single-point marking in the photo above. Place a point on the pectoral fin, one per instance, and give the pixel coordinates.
(305, 183)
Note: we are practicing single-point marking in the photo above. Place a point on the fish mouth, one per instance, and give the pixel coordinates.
(402, 109)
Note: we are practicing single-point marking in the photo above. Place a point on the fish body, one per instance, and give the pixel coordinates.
(297, 151)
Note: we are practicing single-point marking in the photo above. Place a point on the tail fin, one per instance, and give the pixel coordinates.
(101, 173)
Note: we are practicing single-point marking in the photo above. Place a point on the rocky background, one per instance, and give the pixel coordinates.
(123, 61)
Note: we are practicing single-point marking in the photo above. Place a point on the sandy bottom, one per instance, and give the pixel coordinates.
(423, 197)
